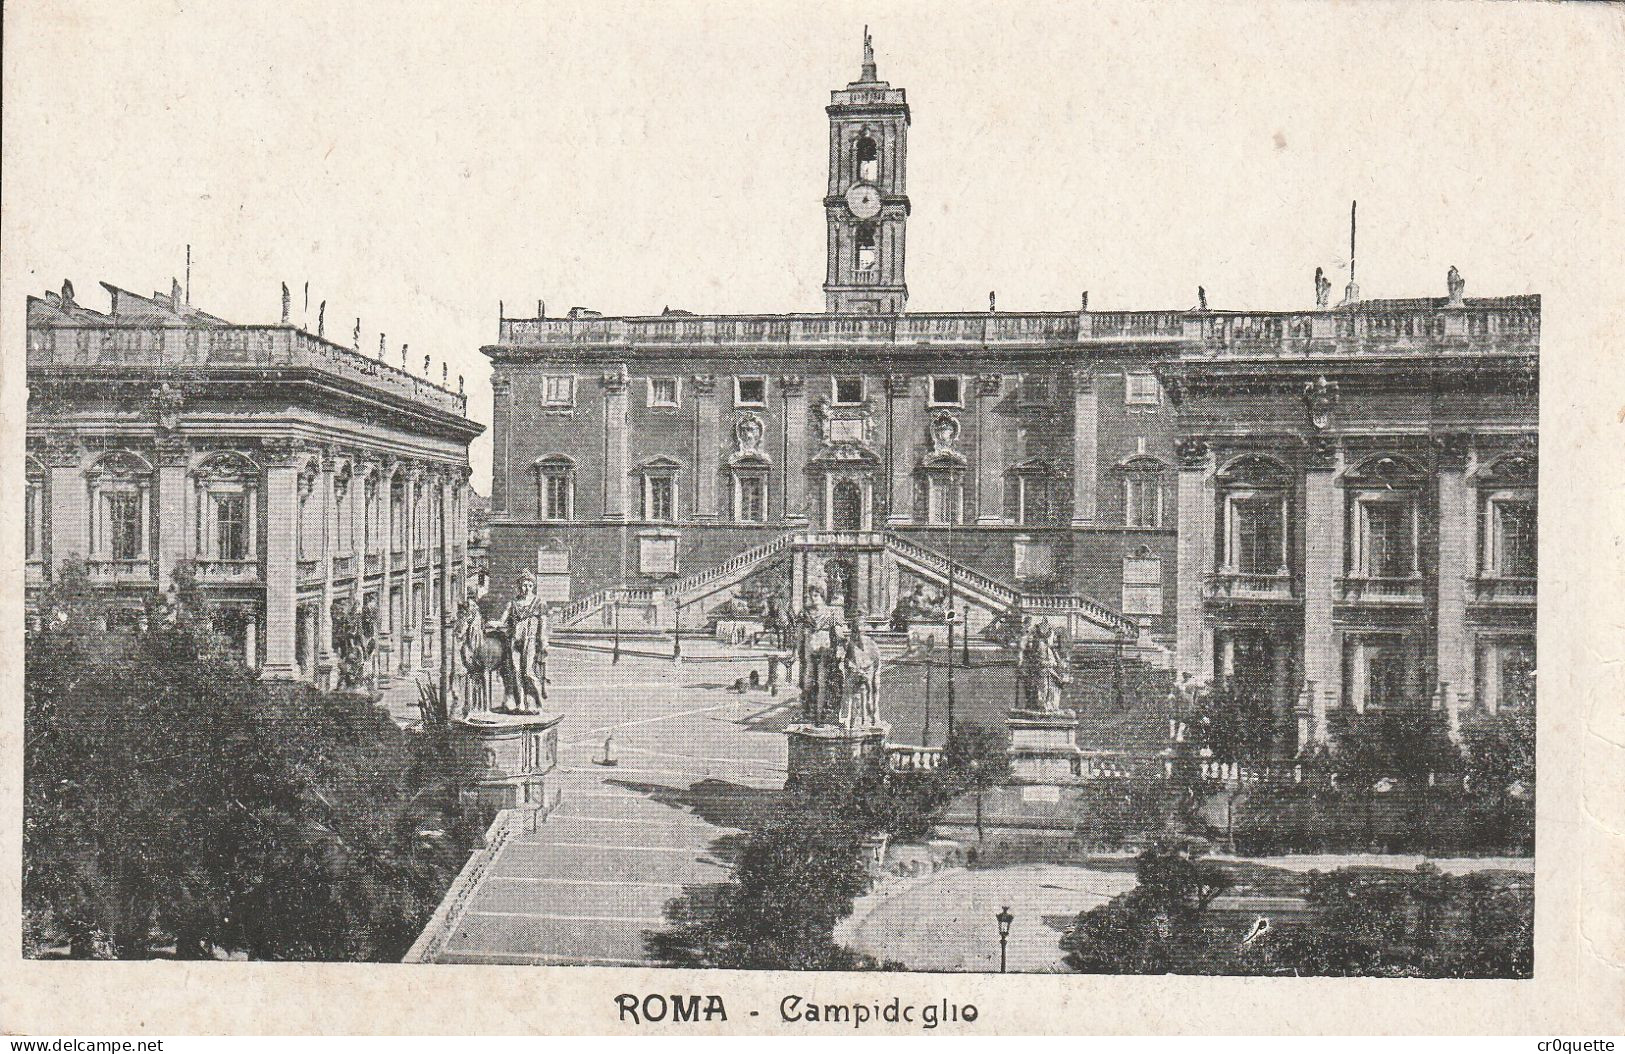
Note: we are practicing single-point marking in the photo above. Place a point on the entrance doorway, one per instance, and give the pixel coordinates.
(846, 513)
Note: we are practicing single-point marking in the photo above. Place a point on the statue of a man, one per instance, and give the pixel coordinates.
(1051, 670)
(822, 628)
(524, 623)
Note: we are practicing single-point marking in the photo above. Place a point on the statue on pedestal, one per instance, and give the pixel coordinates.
(1050, 670)
(860, 678)
(822, 631)
(522, 626)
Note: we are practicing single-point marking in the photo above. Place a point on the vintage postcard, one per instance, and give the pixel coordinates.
(760, 519)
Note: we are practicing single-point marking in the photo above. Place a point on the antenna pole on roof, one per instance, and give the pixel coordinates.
(188, 273)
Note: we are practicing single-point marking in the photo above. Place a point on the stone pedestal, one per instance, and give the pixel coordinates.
(927, 631)
(737, 629)
(815, 747)
(1043, 746)
(504, 761)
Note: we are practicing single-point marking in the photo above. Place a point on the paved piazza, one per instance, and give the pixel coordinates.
(695, 761)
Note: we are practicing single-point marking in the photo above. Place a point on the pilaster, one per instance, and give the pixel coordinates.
(901, 437)
(794, 391)
(1085, 448)
(1456, 537)
(1194, 556)
(990, 456)
(616, 481)
(707, 445)
(329, 546)
(173, 523)
(1322, 567)
(70, 498)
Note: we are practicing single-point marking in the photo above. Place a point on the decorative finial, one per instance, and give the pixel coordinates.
(403, 356)
(425, 365)
(321, 320)
(1201, 298)
(355, 339)
(992, 300)
(1084, 306)
(443, 374)
(286, 303)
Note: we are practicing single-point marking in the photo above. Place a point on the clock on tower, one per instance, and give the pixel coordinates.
(866, 203)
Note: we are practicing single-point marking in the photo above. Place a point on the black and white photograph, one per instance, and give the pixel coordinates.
(910, 494)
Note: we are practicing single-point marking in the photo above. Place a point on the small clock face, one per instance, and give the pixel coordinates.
(863, 200)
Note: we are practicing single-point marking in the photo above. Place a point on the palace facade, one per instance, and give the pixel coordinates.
(1335, 503)
(289, 473)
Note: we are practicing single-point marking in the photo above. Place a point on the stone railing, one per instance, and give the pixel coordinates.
(1235, 772)
(226, 572)
(200, 347)
(1231, 585)
(375, 563)
(1377, 590)
(903, 758)
(1381, 327)
(449, 913)
(102, 571)
(344, 565)
(1503, 590)
(310, 570)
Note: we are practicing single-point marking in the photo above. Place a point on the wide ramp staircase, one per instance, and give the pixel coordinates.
(1084, 619)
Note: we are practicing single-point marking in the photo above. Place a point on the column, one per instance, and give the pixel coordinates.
(707, 446)
(1322, 567)
(173, 523)
(615, 464)
(1085, 446)
(408, 629)
(1194, 556)
(281, 557)
(447, 600)
(329, 545)
(386, 559)
(1456, 549)
(901, 438)
(990, 457)
(795, 449)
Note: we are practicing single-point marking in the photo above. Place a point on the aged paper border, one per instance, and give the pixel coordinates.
(1579, 982)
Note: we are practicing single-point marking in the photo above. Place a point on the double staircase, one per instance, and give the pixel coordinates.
(1086, 619)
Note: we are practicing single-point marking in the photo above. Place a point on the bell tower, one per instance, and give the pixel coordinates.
(866, 204)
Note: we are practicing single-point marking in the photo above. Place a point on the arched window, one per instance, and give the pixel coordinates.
(344, 501)
(868, 160)
(370, 533)
(226, 485)
(867, 256)
(1255, 496)
(555, 488)
(309, 526)
(121, 503)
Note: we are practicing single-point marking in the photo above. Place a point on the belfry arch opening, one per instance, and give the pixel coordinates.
(867, 255)
(868, 160)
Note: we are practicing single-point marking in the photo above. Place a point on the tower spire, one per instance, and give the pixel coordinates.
(869, 73)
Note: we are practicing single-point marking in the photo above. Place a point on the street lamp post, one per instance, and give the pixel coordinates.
(677, 633)
(615, 655)
(950, 673)
(1004, 919)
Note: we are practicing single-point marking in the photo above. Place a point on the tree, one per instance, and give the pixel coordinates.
(1499, 765)
(173, 801)
(1156, 927)
(1408, 744)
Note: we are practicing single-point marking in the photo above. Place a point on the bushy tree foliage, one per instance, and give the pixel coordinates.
(1154, 927)
(176, 805)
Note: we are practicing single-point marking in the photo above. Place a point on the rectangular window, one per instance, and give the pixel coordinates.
(121, 518)
(1032, 500)
(848, 391)
(1034, 389)
(1515, 539)
(1388, 539)
(36, 493)
(1142, 585)
(945, 391)
(231, 526)
(1256, 536)
(942, 499)
(1506, 673)
(752, 507)
(1142, 389)
(658, 498)
(558, 390)
(750, 391)
(663, 391)
(1142, 500)
(556, 496)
